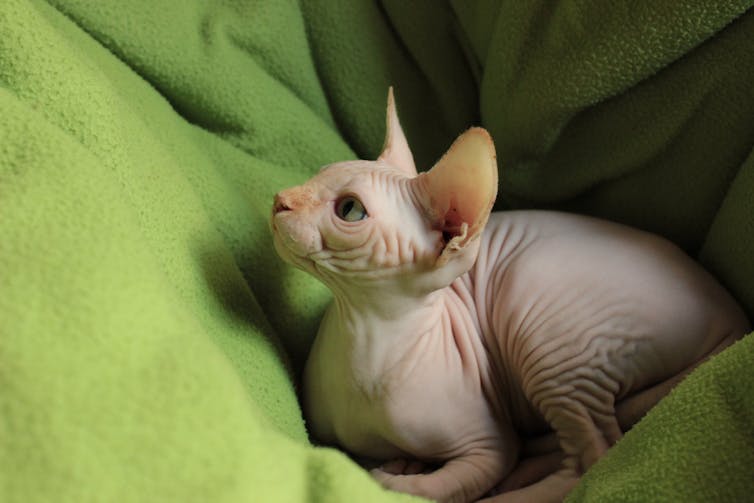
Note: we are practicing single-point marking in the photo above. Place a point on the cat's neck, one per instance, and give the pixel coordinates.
(362, 313)
(376, 334)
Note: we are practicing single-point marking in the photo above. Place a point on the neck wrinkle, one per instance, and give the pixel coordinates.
(375, 344)
(504, 385)
(365, 311)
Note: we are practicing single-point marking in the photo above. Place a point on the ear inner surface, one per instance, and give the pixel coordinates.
(462, 186)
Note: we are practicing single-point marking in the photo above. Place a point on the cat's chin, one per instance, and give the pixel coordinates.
(290, 256)
(299, 239)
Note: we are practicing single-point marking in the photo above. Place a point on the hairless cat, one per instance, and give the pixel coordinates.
(456, 332)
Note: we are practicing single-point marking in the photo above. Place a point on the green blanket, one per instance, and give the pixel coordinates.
(150, 340)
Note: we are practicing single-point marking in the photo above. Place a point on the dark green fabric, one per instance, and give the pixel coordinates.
(150, 339)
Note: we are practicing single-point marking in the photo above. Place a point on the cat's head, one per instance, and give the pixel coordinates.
(367, 224)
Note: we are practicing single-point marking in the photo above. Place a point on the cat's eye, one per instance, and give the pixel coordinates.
(350, 209)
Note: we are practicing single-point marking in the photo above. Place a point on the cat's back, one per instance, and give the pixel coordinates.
(553, 286)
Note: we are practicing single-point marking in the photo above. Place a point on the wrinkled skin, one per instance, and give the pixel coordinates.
(455, 333)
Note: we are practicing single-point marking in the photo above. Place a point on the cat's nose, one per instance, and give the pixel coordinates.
(293, 199)
(281, 203)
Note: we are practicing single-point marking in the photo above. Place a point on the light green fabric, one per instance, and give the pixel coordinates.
(150, 339)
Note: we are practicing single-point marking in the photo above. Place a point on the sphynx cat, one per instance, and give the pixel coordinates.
(456, 332)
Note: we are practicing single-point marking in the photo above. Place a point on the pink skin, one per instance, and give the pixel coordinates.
(454, 332)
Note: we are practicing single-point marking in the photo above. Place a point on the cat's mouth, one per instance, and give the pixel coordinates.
(294, 242)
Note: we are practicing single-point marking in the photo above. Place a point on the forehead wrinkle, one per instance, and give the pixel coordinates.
(387, 244)
(335, 176)
(421, 243)
(354, 175)
(346, 165)
(387, 181)
(351, 186)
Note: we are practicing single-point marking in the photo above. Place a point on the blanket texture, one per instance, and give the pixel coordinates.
(150, 339)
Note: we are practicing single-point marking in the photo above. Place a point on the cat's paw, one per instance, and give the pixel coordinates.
(414, 477)
(404, 467)
(415, 484)
(401, 475)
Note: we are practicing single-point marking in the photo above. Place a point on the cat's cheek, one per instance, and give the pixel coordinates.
(343, 237)
(306, 243)
(336, 243)
(296, 238)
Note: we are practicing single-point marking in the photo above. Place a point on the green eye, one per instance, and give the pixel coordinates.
(350, 209)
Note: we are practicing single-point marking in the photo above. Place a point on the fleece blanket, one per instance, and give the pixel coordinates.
(151, 342)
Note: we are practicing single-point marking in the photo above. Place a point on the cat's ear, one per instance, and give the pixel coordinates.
(395, 151)
(459, 191)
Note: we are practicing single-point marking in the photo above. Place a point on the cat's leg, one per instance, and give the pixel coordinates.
(547, 476)
(542, 456)
(581, 412)
(461, 479)
(583, 437)
(551, 489)
(631, 409)
(547, 450)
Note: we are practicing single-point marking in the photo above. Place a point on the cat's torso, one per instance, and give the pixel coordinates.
(557, 309)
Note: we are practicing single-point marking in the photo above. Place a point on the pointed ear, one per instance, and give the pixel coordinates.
(459, 191)
(395, 151)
